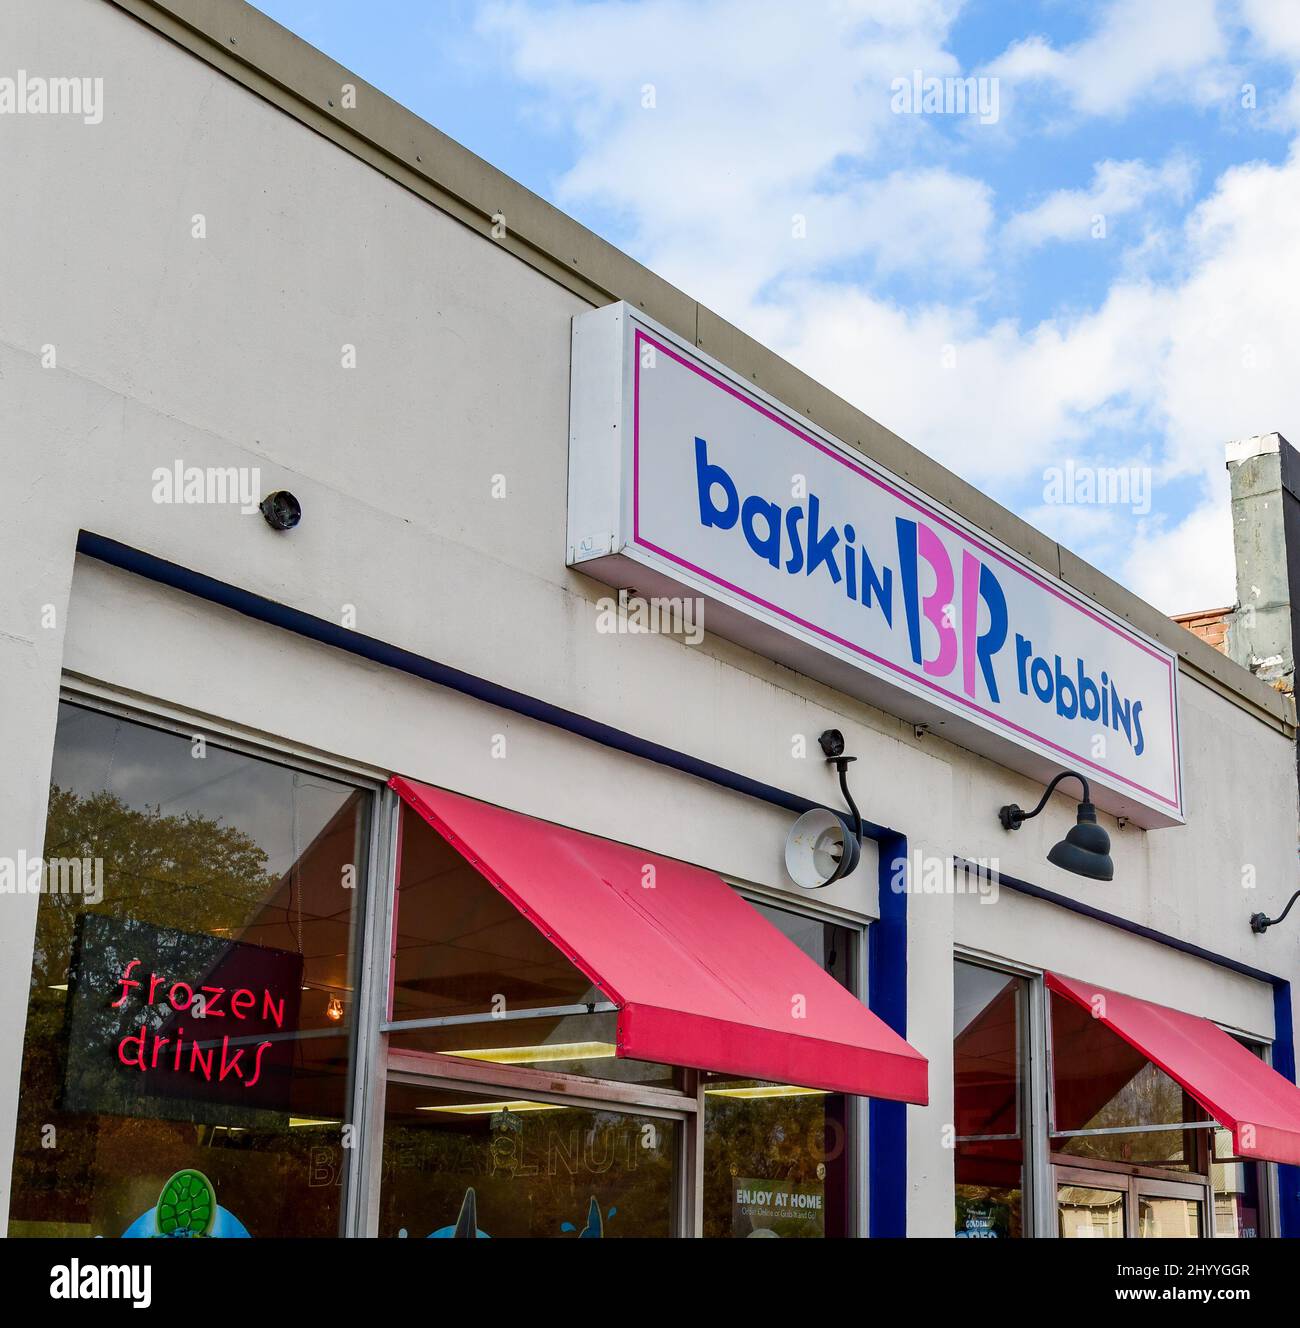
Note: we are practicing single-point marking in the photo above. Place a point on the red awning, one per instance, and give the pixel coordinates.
(1259, 1106)
(699, 977)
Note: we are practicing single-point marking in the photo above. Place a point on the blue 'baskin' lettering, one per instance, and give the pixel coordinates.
(811, 546)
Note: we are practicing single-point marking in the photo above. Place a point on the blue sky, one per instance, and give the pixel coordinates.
(1101, 272)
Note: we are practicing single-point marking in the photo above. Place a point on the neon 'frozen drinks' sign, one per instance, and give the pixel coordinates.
(180, 1025)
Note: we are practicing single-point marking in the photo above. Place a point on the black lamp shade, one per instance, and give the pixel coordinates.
(1085, 851)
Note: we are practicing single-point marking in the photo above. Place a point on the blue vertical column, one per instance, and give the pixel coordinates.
(887, 998)
(1288, 1178)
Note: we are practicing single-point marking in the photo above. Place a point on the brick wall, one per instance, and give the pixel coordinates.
(1210, 625)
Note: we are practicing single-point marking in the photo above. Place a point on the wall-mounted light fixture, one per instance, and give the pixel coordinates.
(1261, 922)
(822, 845)
(1085, 851)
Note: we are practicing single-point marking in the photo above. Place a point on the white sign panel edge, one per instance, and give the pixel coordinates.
(602, 543)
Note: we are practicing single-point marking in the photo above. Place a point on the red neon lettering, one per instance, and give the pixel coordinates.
(127, 981)
(230, 1066)
(272, 1011)
(189, 995)
(139, 1039)
(240, 1006)
(196, 1060)
(257, 1064)
(214, 994)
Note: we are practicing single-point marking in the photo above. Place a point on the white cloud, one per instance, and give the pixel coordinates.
(1117, 187)
(995, 404)
(1275, 25)
(710, 127)
(766, 112)
(1140, 49)
(1187, 566)
(1210, 355)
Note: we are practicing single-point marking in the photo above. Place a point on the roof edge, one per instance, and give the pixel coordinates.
(293, 75)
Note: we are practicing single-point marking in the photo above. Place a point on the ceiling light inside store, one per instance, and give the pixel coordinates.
(554, 1051)
(766, 1091)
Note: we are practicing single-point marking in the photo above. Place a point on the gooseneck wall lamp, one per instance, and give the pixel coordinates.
(1261, 922)
(822, 845)
(1085, 851)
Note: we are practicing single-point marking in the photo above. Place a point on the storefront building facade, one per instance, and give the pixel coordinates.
(430, 852)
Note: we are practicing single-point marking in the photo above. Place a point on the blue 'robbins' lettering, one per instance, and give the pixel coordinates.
(1073, 693)
(803, 543)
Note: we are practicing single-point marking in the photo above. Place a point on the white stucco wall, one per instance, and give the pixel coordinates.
(226, 351)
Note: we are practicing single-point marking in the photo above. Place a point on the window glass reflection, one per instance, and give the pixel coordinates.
(987, 1052)
(777, 1157)
(1105, 1087)
(467, 1164)
(1087, 1213)
(1238, 1191)
(1165, 1218)
(463, 950)
(189, 1032)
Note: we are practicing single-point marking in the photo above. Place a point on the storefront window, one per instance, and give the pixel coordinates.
(466, 1164)
(1167, 1218)
(1238, 1191)
(466, 955)
(1111, 1103)
(777, 1157)
(988, 1040)
(189, 1030)
(1085, 1211)
(1240, 1184)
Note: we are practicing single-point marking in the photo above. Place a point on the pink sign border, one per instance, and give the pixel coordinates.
(1001, 721)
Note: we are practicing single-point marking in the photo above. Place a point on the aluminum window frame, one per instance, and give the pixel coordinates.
(168, 717)
(1135, 1185)
(436, 1070)
(859, 1114)
(1036, 1179)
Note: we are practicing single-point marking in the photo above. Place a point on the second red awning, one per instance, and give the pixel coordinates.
(1259, 1106)
(700, 978)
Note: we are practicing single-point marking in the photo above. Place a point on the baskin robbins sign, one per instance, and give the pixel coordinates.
(685, 479)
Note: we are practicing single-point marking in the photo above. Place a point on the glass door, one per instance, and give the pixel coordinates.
(1091, 1205)
(472, 1162)
(1107, 1205)
(1169, 1210)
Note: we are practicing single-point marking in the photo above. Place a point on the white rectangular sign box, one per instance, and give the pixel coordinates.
(686, 479)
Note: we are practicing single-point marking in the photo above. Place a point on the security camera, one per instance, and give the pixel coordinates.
(281, 510)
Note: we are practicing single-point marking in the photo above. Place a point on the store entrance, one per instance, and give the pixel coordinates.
(1110, 1206)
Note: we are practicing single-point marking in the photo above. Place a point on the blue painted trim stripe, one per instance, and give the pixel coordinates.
(321, 630)
(1288, 1178)
(887, 997)
(1006, 882)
